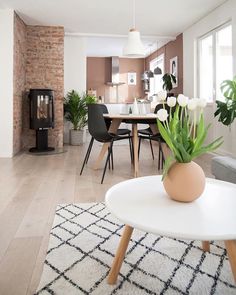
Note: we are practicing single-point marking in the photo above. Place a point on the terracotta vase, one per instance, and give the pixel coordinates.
(184, 182)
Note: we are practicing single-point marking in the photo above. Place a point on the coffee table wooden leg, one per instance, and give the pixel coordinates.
(120, 254)
(231, 250)
(206, 246)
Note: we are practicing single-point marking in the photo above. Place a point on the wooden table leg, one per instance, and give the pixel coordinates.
(135, 145)
(113, 129)
(120, 254)
(206, 246)
(231, 251)
(101, 156)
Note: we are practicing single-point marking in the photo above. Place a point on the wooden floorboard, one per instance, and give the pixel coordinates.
(31, 187)
(17, 266)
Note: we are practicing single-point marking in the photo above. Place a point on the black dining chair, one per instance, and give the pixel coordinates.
(148, 134)
(98, 129)
(120, 132)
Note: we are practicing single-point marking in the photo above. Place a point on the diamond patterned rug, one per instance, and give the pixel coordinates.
(83, 241)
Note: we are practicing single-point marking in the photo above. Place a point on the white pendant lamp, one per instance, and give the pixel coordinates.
(134, 46)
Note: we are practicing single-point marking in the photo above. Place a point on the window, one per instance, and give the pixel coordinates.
(215, 62)
(156, 82)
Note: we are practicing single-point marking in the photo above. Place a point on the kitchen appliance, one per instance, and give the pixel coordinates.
(115, 75)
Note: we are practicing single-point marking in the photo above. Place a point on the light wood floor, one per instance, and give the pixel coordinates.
(30, 189)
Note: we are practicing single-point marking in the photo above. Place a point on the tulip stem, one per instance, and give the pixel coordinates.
(194, 124)
(181, 117)
(191, 129)
(166, 124)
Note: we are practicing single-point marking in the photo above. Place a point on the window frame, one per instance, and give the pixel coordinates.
(212, 33)
(155, 60)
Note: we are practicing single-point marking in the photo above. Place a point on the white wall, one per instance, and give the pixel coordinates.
(75, 70)
(219, 16)
(6, 82)
(75, 63)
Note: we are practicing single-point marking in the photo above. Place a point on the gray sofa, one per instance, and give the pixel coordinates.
(224, 168)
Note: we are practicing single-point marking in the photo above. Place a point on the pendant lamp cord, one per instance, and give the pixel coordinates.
(134, 14)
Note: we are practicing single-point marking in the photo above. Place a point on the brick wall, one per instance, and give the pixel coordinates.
(19, 78)
(38, 63)
(45, 69)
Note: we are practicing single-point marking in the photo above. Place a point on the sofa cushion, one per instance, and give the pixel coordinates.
(224, 168)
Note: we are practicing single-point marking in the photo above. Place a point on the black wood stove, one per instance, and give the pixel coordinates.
(41, 117)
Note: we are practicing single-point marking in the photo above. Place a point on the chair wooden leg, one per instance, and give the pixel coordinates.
(150, 141)
(87, 155)
(120, 254)
(231, 251)
(206, 246)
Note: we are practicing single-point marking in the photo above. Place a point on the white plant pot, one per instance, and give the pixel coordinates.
(66, 133)
(77, 137)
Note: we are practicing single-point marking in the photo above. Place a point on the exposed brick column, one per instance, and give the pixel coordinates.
(45, 69)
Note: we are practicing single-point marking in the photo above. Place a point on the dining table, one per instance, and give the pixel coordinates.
(134, 120)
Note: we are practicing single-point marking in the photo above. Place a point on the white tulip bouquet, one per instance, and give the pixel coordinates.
(183, 128)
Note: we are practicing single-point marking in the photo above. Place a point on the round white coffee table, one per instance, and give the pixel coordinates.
(143, 204)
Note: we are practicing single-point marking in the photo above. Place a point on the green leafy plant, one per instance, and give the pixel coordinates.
(184, 130)
(227, 110)
(76, 109)
(168, 80)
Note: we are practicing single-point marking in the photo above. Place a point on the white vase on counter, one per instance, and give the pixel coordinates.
(143, 109)
(135, 110)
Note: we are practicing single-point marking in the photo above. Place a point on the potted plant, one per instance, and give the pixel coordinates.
(184, 131)
(227, 110)
(75, 111)
(168, 81)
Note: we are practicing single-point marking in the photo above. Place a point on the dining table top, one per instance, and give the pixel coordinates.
(131, 116)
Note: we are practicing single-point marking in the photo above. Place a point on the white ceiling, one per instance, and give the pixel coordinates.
(113, 46)
(156, 18)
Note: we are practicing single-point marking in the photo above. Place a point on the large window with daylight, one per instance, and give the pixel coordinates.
(156, 81)
(215, 62)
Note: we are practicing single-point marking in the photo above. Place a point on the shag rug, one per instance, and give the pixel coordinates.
(84, 239)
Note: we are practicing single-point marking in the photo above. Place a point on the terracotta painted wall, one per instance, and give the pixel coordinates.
(170, 50)
(99, 72)
(19, 78)
(45, 69)
(129, 92)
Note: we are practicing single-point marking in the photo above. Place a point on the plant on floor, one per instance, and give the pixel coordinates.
(184, 130)
(76, 112)
(227, 109)
(75, 108)
(168, 81)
